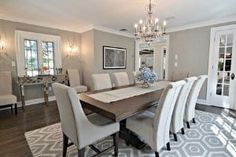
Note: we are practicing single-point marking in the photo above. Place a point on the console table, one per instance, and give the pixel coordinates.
(43, 80)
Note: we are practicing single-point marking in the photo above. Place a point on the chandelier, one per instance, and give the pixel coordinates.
(150, 29)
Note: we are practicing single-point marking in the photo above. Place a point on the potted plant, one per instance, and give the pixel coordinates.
(146, 76)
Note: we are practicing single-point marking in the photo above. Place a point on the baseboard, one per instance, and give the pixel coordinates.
(36, 101)
(203, 102)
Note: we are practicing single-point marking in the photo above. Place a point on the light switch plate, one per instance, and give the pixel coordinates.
(176, 57)
(13, 63)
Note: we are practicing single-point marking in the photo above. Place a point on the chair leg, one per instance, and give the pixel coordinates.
(175, 136)
(194, 120)
(168, 146)
(15, 108)
(182, 131)
(81, 152)
(156, 154)
(11, 108)
(65, 144)
(116, 143)
(188, 125)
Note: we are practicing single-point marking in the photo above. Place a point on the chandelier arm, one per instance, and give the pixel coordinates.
(149, 29)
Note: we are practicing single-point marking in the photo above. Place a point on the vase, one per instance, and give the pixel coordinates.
(145, 84)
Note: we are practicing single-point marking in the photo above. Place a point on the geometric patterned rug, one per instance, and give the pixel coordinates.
(211, 136)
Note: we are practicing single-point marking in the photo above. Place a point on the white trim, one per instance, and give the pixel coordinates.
(113, 31)
(138, 45)
(37, 101)
(38, 24)
(19, 38)
(86, 28)
(107, 30)
(201, 24)
(211, 67)
(203, 102)
(32, 102)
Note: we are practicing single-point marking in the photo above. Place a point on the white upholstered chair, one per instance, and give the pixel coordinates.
(82, 130)
(177, 122)
(192, 99)
(6, 97)
(153, 128)
(74, 81)
(121, 79)
(101, 81)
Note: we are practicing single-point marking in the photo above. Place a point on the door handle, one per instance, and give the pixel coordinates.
(232, 76)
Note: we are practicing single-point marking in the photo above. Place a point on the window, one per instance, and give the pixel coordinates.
(48, 56)
(31, 57)
(37, 54)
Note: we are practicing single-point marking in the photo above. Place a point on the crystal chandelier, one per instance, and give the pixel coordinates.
(150, 29)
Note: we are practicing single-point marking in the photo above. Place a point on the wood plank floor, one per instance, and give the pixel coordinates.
(13, 127)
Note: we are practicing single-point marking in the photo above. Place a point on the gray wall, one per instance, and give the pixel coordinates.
(87, 56)
(7, 31)
(192, 48)
(92, 50)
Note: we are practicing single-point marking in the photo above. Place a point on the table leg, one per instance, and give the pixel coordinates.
(45, 91)
(22, 95)
(129, 137)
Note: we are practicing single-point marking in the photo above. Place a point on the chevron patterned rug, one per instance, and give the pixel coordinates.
(212, 136)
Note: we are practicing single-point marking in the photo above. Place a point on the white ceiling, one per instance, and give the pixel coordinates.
(77, 15)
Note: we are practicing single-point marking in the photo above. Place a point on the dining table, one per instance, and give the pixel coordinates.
(120, 103)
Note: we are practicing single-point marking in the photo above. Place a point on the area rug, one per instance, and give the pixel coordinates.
(212, 136)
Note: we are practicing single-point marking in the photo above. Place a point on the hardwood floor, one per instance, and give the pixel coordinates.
(13, 127)
(217, 110)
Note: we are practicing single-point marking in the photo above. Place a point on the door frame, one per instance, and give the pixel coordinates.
(212, 58)
(138, 47)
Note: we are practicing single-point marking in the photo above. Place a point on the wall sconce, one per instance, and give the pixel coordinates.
(3, 50)
(72, 50)
(2, 45)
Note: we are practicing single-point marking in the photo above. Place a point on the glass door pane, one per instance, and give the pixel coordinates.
(224, 64)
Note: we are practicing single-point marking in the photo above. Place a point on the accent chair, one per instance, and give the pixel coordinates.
(153, 128)
(80, 129)
(7, 99)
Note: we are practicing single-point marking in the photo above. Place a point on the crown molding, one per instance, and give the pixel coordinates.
(29, 22)
(81, 30)
(107, 30)
(202, 24)
(113, 31)
(86, 28)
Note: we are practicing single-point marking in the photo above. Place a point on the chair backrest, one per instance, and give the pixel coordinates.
(178, 112)
(73, 120)
(101, 81)
(121, 79)
(192, 98)
(164, 112)
(74, 77)
(5, 83)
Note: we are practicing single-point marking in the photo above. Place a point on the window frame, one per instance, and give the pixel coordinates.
(20, 36)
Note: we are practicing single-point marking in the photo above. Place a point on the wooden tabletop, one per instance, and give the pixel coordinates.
(122, 109)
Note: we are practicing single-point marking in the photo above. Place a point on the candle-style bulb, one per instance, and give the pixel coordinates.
(140, 21)
(164, 23)
(156, 20)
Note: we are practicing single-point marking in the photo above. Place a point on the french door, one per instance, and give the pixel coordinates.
(222, 68)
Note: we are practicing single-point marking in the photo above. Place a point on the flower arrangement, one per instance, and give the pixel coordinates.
(44, 70)
(146, 76)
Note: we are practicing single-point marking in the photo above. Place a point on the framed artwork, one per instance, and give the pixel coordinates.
(114, 57)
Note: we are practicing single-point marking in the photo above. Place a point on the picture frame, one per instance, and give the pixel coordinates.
(114, 57)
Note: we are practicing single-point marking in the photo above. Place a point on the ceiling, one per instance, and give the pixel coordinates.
(77, 15)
